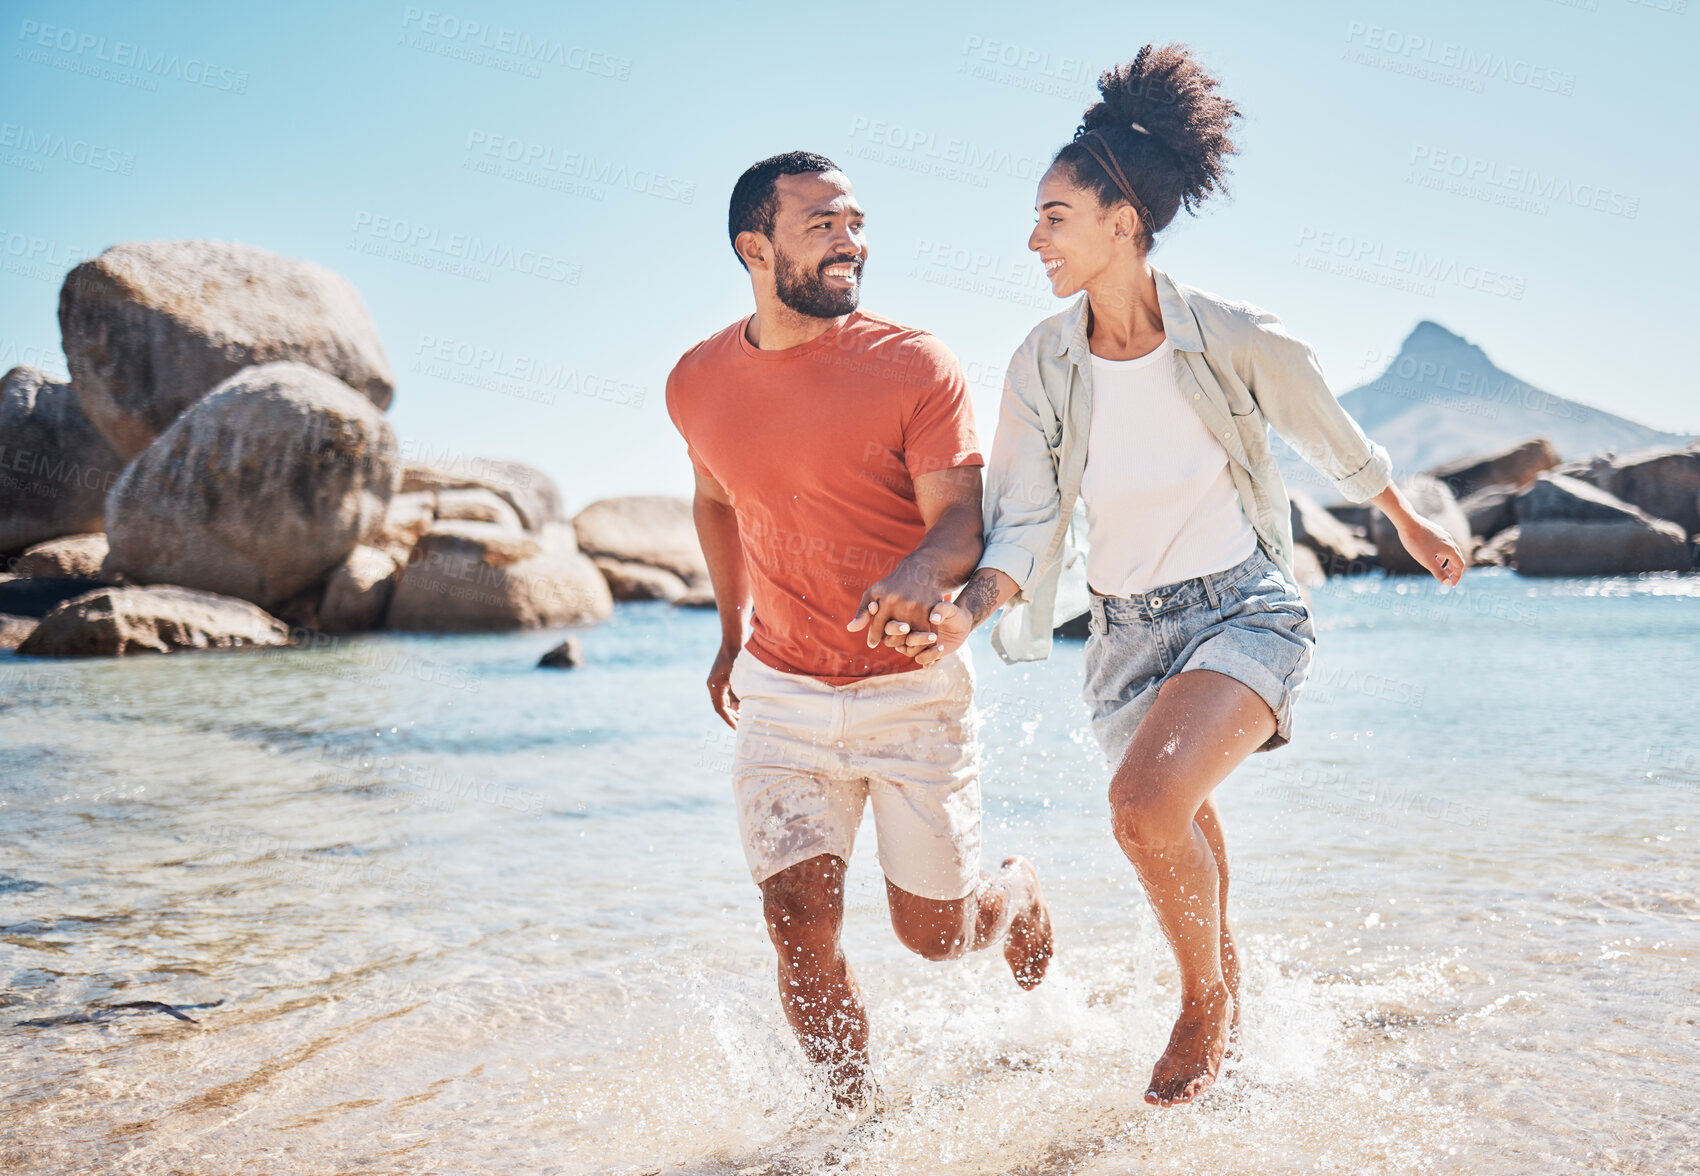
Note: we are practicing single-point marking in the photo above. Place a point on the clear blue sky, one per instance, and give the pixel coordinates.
(326, 131)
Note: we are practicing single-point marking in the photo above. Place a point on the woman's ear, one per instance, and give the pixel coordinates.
(1125, 222)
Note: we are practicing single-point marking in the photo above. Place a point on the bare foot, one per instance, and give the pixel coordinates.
(853, 1088)
(1029, 946)
(1194, 1057)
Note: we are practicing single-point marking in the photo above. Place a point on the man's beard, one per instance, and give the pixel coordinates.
(806, 291)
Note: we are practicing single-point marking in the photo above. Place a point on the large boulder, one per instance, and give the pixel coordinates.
(467, 576)
(55, 466)
(1663, 482)
(1517, 465)
(635, 581)
(1338, 548)
(407, 517)
(652, 529)
(13, 630)
(358, 593)
(531, 492)
(158, 619)
(257, 490)
(1568, 528)
(477, 505)
(1500, 551)
(1430, 498)
(150, 327)
(1596, 470)
(1490, 509)
(74, 555)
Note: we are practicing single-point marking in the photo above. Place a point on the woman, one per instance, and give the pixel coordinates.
(1151, 400)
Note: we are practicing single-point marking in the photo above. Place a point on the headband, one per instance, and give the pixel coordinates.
(1107, 160)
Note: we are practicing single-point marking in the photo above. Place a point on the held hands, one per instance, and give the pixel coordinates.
(902, 600)
(1433, 548)
(950, 628)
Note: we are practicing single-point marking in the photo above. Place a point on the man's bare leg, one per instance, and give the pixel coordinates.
(1201, 727)
(804, 908)
(1007, 906)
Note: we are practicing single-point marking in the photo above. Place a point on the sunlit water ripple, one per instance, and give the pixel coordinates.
(464, 915)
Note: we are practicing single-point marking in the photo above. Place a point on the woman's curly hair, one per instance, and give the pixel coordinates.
(1179, 157)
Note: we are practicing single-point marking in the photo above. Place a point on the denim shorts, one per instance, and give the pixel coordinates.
(1248, 622)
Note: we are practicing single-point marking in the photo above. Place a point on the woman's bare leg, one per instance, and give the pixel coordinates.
(1202, 726)
(1210, 821)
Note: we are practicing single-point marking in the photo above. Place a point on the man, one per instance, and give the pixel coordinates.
(838, 489)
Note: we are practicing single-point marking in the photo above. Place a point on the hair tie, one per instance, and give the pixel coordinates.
(1107, 161)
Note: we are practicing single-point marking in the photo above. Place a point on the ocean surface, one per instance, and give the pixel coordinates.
(435, 910)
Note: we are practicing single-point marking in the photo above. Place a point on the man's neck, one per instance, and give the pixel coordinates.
(776, 327)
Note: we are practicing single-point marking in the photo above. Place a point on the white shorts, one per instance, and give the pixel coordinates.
(808, 755)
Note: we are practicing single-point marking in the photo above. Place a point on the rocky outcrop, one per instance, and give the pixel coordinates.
(465, 576)
(156, 619)
(1491, 509)
(257, 490)
(568, 655)
(635, 581)
(406, 518)
(55, 466)
(1517, 466)
(1500, 551)
(151, 327)
(1338, 549)
(477, 505)
(1663, 482)
(358, 593)
(74, 555)
(1430, 498)
(1568, 528)
(13, 630)
(531, 492)
(652, 529)
(1596, 471)
(697, 596)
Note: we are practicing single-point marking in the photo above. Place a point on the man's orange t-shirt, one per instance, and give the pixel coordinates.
(817, 447)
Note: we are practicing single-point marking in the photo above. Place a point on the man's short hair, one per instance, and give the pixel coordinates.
(754, 201)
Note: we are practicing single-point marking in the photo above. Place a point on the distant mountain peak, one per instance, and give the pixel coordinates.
(1441, 399)
(1429, 337)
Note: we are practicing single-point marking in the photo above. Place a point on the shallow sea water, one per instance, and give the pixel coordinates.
(450, 913)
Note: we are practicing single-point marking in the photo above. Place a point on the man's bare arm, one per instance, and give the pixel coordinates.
(949, 502)
(723, 550)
